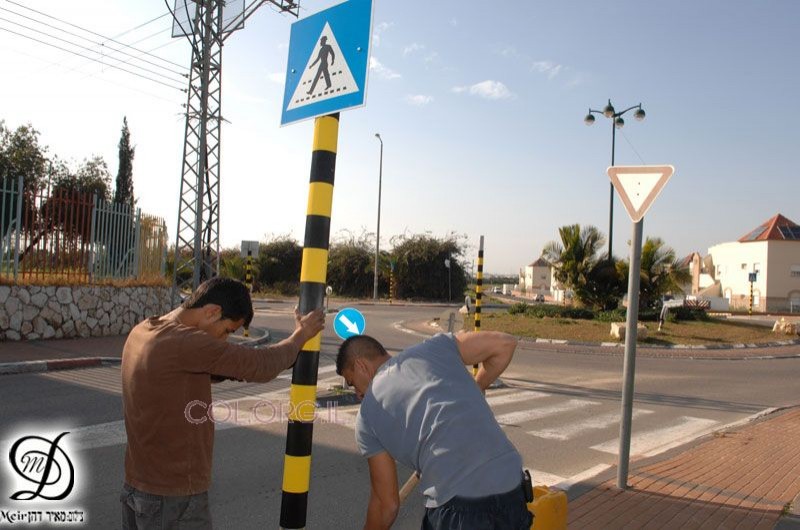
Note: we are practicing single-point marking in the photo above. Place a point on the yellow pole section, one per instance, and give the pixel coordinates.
(478, 294)
(313, 273)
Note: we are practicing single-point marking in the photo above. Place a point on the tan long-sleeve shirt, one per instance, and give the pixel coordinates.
(166, 366)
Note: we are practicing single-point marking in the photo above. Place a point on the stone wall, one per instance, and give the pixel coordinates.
(35, 312)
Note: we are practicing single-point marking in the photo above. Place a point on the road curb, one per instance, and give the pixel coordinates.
(24, 367)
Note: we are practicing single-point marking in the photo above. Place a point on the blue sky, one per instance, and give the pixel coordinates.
(480, 106)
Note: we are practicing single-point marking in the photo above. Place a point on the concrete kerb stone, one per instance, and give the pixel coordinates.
(56, 364)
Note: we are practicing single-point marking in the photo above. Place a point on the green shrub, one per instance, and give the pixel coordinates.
(615, 315)
(689, 313)
(518, 309)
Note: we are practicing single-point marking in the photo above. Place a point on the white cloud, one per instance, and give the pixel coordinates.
(418, 100)
(486, 89)
(411, 48)
(548, 68)
(509, 51)
(384, 72)
(453, 22)
(378, 30)
(279, 78)
(431, 57)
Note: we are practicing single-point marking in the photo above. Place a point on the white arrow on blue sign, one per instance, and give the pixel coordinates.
(349, 322)
(328, 61)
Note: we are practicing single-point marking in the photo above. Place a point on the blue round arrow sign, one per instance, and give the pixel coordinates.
(349, 322)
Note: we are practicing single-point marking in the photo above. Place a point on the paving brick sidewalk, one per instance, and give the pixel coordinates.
(741, 479)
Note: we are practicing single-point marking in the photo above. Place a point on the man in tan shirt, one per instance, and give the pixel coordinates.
(167, 365)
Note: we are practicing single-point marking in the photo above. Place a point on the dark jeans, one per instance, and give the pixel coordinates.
(505, 511)
(144, 511)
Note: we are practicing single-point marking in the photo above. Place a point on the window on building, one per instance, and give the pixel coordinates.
(756, 267)
(744, 266)
(795, 271)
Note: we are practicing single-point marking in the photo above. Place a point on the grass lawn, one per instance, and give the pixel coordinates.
(684, 332)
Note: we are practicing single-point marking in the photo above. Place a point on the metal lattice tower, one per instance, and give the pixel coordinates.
(206, 24)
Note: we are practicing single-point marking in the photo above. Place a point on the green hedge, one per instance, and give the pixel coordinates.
(552, 311)
(615, 315)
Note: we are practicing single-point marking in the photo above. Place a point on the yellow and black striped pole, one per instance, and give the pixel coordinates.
(248, 279)
(478, 293)
(313, 272)
(391, 283)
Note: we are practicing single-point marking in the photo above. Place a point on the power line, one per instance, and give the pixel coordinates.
(143, 24)
(101, 44)
(88, 31)
(88, 49)
(92, 59)
(632, 147)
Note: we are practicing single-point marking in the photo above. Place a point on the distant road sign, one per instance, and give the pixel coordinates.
(638, 186)
(349, 322)
(328, 61)
(251, 247)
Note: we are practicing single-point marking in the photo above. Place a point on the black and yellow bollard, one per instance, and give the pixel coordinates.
(313, 272)
(391, 282)
(248, 279)
(478, 294)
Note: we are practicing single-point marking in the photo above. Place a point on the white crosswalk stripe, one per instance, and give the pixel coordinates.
(652, 442)
(571, 430)
(516, 397)
(521, 416)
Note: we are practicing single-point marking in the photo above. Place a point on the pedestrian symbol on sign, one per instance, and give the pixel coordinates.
(338, 80)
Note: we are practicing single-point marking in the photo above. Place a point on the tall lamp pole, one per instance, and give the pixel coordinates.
(378, 235)
(616, 123)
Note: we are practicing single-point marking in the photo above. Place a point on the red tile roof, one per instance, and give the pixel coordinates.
(778, 228)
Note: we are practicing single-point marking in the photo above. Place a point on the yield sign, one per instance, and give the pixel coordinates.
(638, 186)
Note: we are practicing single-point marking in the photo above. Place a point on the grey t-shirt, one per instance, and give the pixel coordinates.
(425, 410)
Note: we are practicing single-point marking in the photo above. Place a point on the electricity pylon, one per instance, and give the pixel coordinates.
(206, 24)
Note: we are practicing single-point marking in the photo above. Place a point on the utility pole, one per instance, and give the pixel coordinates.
(205, 24)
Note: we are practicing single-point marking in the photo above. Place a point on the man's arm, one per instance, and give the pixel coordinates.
(384, 500)
(264, 364)
(492, 349)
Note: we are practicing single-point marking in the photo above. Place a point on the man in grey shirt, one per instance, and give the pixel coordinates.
(423, 409)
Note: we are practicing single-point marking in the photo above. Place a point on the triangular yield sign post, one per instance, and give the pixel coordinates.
(638, 186)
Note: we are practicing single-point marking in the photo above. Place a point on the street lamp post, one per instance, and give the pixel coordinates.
(378, 234)
(616, 123)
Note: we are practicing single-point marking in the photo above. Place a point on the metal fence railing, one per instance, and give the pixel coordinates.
(59, 234)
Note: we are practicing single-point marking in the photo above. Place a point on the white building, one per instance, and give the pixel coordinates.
(535, 278)
(772, 252)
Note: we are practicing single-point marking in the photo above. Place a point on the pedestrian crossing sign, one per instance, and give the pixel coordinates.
(328, 60)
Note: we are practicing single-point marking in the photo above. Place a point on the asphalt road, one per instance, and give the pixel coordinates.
(560, 408)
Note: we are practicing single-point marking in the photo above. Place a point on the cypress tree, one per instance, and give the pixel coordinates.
(124, 184)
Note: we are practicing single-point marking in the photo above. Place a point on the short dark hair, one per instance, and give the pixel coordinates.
(231, 295)
(362, 346)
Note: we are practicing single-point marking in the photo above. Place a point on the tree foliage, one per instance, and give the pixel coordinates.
(421, 271)
(580, 267)
(22, 155)
(661, 273)
(278, 263)
(351, 267)
(123, 192)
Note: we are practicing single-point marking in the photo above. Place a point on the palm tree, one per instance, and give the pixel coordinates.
(660, 273)
(579, 267)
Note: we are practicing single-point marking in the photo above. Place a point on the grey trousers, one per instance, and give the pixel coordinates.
(144, 511)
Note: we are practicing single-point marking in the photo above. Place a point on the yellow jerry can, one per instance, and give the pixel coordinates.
(549, 508)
